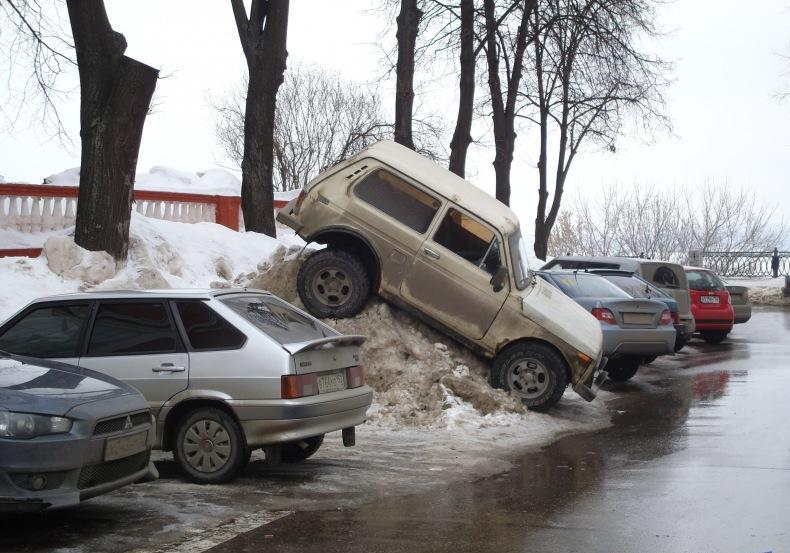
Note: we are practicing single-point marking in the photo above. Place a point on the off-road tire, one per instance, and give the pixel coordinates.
(713, 336)
(299, 450)
(534, 361)
(222, 431)
(349, 273)
(620, 370)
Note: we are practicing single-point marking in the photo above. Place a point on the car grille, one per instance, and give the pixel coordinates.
(117, 424)
(96, 475)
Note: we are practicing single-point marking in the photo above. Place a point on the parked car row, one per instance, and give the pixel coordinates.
(223, 372)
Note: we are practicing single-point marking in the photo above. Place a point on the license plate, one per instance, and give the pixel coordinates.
(124, 446)
(331, 382)
(637, 318)
(709, 299)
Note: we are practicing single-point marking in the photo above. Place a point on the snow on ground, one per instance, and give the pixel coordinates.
(421, 378)
(762, 291)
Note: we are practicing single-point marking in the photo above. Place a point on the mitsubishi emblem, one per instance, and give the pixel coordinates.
(127, 424)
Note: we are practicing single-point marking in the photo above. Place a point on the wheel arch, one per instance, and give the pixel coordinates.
(354, 242)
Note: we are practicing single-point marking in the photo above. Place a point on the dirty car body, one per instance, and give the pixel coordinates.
(68, 434)
(398, 225)
(224, 371)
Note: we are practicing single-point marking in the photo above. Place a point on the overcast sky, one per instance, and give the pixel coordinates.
(728, 124)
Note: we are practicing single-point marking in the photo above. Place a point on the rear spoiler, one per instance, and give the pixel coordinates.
(324, 343)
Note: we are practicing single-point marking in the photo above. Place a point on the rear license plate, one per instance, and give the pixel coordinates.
(124, 446)
(709, 299)
(637, 318)
(331, 382)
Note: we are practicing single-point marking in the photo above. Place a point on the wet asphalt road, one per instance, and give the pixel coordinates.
(697, 460)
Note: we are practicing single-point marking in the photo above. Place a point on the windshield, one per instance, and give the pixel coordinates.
(518, 252)
(704, 280)
(585, 285)
(278, 319)
(635, 287)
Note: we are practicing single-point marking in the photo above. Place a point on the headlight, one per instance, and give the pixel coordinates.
(22, 426)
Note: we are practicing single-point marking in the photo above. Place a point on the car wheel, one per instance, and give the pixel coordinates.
(299, 450)
(623, 369)
(680, 342)
(333, 283)
(714, 336)
(210, 446)
(533, 371)
(648, 360)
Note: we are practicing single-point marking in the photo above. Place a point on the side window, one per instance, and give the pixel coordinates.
(206, 329)
(47, 332)
(132, 328)
(398, 199)
(666, 277)
(470, 239)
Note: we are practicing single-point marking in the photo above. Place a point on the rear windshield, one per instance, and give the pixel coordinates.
(278, 319)
(584, 285)
(573, 264)
(635, 287)
(704, 280)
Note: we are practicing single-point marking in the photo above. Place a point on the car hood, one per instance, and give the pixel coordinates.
(563, 317)
(50, 388)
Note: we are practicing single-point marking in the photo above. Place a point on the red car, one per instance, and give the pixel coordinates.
(710, 304)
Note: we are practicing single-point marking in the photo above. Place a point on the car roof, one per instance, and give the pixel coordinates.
(630, 262)
(444, 182)
(180, 293)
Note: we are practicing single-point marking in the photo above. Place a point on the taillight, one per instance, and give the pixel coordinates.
(293, 386)
(666, 317)
(355, 376)
(299, 199)
(604, 315)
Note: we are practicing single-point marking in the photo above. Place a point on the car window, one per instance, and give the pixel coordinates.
(635, 287)
(398, 199)
(206, 329)
(469, 238)
(583, 285)
(704, 280)
(666, 278)
(132, 329)
(278, 319)
(47, 332)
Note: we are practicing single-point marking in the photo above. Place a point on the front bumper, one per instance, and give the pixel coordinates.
(591, 381)
(285, 216)
(269, 422)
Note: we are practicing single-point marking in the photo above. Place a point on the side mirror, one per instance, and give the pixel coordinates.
(499, 279)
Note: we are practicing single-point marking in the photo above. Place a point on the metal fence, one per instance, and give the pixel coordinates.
(748, 264)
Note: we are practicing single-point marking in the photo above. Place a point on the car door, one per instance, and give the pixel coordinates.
(137, 342)
(450, 278)
(394, 213)
(48, 331)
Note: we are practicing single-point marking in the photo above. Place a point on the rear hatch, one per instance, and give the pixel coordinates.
(335, 361)
(739, 295)
(671, 278)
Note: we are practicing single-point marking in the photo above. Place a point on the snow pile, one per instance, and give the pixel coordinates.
(767, 291)
(421, 378)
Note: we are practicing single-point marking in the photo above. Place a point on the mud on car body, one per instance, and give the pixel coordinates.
(424, 239)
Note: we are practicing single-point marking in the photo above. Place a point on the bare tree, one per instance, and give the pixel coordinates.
(263, 38)
(505, 55)
(589, 75)
(320, 120)
(115, 94)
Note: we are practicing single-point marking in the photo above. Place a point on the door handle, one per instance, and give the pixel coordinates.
(168, 368)
(430, 253)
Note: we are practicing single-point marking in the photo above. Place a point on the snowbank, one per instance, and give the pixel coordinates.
(764, 291)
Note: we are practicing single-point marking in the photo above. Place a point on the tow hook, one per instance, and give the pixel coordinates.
(349, 436)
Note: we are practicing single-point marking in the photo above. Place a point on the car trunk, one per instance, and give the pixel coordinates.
(739, 295)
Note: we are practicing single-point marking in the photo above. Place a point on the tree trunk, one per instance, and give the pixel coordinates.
(115, 95)
(264, 46)
(408, 21)
(466, 85)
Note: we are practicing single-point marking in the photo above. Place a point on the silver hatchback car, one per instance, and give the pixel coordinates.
(224, 371)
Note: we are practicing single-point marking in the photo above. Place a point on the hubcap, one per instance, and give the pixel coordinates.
(207, 446)
(332, 287)
(528, 378)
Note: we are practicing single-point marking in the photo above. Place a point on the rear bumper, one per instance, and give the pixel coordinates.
(714, 324)
(647, 342)
(590, 383)
(272, 422)
(742, 313)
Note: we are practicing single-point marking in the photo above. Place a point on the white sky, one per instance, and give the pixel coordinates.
(728, 125)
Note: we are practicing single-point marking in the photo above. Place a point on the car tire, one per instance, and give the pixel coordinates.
(620, 370)
(680, 342)
(210, 447)
(714, 336)
(648, 360)
(535, 372)
(299, 450)
(333, 284)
